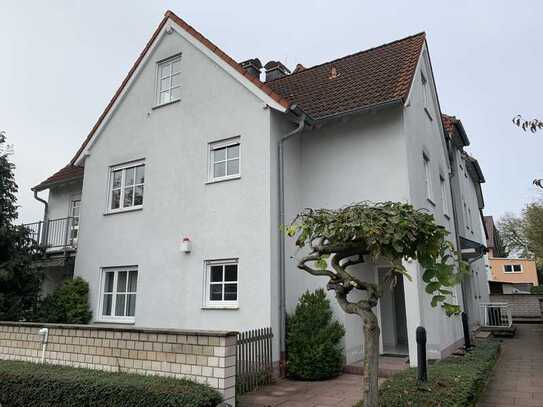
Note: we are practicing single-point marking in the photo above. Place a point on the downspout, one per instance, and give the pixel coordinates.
(282, 287)
(45, 216)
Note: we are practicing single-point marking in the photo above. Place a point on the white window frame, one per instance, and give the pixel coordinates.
(217, 145)
(426, 94)
(444, 200)
(114, 318)
(221, 304)
(428, 178)
(74, 226)
(123, 168)
(159, 77)
(512, 268)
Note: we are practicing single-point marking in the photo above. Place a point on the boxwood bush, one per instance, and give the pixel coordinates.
(456, 381)
(314, 349)
(29, 384)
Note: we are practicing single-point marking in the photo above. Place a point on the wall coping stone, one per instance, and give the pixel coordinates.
(121, 327)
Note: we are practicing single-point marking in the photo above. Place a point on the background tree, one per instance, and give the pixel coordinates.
(19, 280)
(532, 125)
(389, 232)
(523, 235)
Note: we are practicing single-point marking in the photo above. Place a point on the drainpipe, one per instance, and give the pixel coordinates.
(282, 294)
(44, 333)
(45, 217)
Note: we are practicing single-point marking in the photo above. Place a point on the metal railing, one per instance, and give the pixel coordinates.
(496, 315)
(59, 233)
(254, 359)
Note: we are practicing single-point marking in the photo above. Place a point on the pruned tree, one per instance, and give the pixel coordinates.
(336, 241)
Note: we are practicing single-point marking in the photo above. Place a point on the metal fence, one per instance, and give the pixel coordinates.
(254, 359)
(496, 315)
(55, 233)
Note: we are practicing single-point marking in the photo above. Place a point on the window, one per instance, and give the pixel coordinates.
(126, 187)
(119, 287)
(425, 95)
(222, 283)
(444, 201)
(428, 178)
(512, 268)
(470, 220)
(74, 214)
(224, 160)
(169, 80)
(466, 215)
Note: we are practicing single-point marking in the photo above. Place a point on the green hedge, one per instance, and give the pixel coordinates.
(456, 381)
(536, 289)
(29, 384)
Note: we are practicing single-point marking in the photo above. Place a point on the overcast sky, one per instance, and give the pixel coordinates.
(61, 61)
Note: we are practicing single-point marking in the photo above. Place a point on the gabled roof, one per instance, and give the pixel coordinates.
(199, 37)
(377, 76)
(452, 126)
(373, 77)
(68, 173)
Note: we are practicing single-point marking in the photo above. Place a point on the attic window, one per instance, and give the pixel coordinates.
(426, 95)
(169, 80)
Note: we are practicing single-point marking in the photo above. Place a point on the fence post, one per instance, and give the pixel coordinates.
(465, 325)
(422, 370)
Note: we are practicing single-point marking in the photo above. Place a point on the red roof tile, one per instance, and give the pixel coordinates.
(70, 172)
(376, 76)
(449, 122)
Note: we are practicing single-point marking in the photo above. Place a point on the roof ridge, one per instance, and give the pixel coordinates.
(421, 33)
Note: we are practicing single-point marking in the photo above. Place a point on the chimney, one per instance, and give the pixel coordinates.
(275, 70)
(252, 66)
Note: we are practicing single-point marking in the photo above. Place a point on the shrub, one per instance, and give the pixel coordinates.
(68, 304)
(536, 289)
(454, 381)
(313, 339)
(28, 384)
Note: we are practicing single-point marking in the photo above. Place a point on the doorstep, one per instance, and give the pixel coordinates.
(388, 366)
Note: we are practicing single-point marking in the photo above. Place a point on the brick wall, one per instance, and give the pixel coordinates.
(522, 305)
(203, 356)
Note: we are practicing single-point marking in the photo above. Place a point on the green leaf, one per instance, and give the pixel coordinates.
(434, 286)
(437, 299)
(428, 275)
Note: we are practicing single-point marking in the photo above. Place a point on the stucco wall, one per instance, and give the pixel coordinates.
(528, 274)
(225, 220)
(360, 159)
(61, 197)
(202, 356)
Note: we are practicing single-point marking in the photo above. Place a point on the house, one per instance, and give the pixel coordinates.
(508, 275)
(173, 204)
(466, 179)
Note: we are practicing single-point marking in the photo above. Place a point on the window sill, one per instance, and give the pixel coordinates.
(221, 307)
(132, 209)
(431, 201)
(447, 216)
(171, 102)
(214, 181)
(119, 320)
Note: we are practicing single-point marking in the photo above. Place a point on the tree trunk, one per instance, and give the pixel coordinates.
(370, 386)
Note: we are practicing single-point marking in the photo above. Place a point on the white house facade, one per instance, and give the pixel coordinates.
(174, 202)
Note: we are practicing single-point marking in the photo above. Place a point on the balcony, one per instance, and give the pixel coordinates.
(56, 235)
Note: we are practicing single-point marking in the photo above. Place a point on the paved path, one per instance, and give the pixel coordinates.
(343, 391)
(518, 377)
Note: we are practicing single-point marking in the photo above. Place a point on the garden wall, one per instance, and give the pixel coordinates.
(203, 356)
(522, 305)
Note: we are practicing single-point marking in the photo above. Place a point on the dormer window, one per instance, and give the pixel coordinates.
(169, 80)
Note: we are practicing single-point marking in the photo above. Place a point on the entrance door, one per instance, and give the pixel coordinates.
(393, 317)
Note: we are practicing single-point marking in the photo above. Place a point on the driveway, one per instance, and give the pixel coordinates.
(518, 377)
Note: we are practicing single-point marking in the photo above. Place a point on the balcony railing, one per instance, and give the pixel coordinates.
(496, 315)
(55, 234)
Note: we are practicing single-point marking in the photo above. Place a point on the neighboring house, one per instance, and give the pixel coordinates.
(185, 179)
(508, 275)
(466, 180)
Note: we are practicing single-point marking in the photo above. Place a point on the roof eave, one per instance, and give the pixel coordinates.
(48, 184)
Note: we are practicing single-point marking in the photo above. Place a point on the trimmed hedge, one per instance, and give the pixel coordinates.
(536, 289)
(456, 381)
(29, 384)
